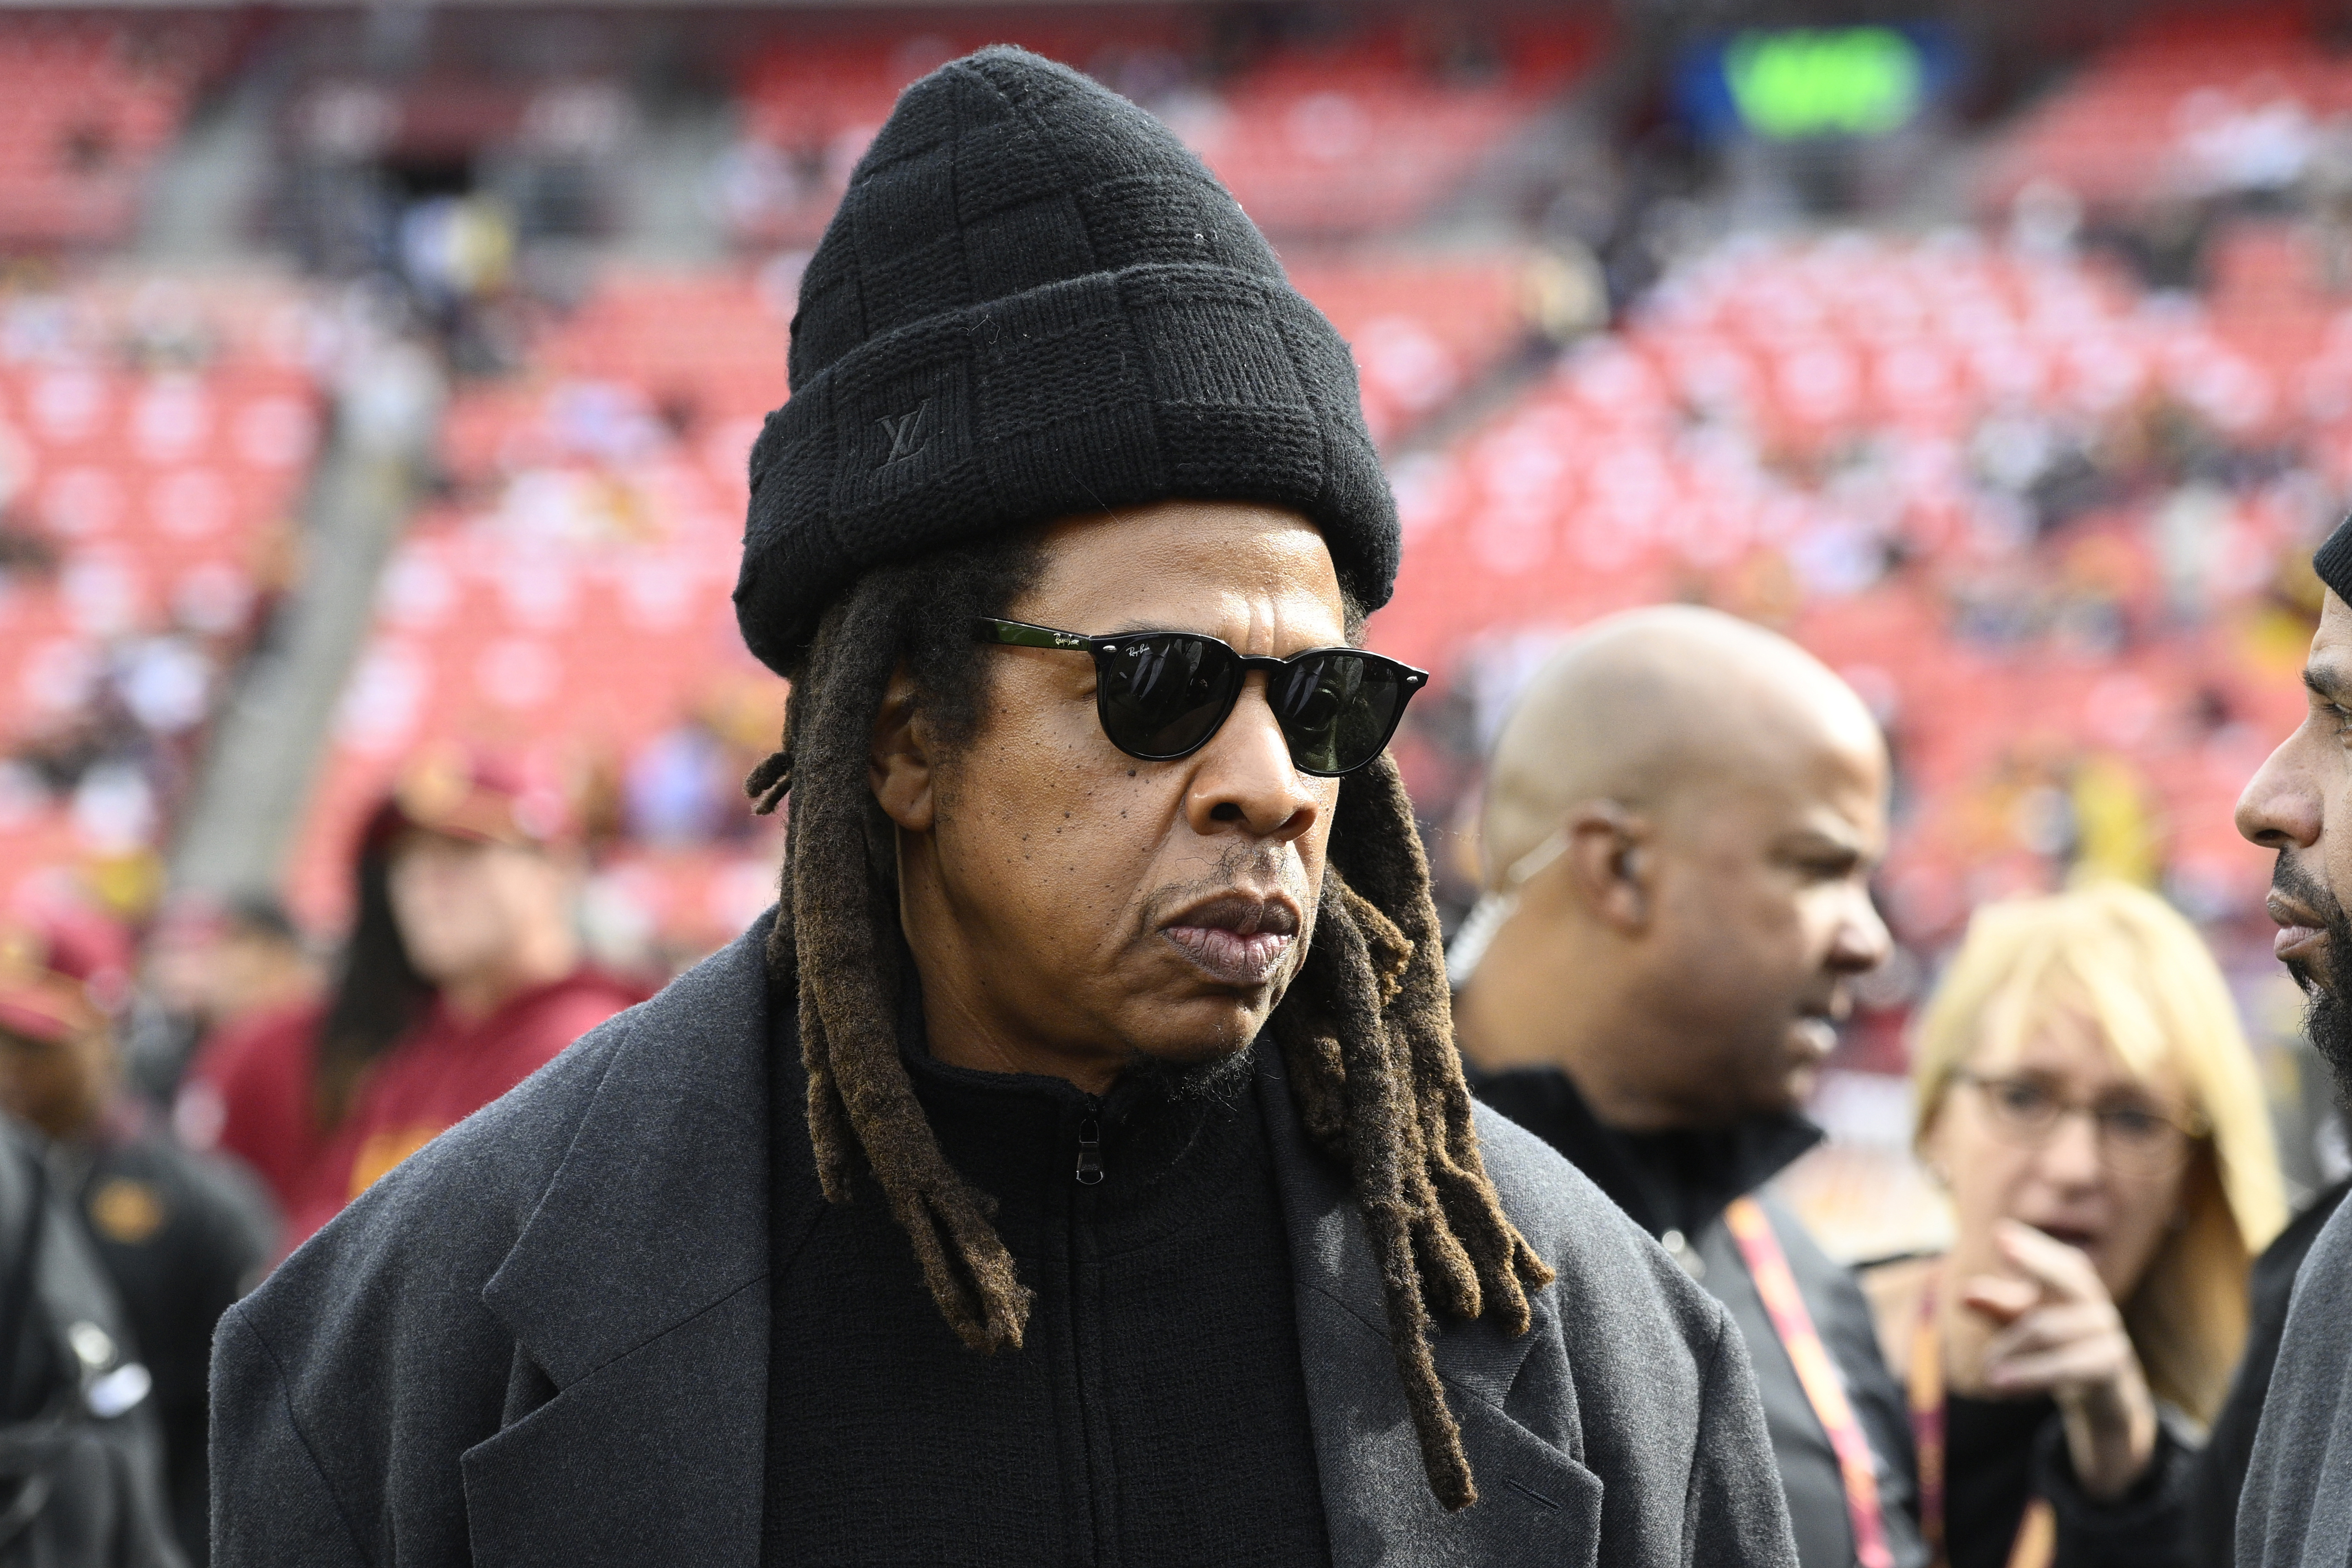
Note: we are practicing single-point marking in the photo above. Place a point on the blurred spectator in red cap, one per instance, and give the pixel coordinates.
(180, 1236)
(210, 961)
(462, 976)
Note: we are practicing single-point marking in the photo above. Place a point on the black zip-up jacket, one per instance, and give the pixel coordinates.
(1155, 1415)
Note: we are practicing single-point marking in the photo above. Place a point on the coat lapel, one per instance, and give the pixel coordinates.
(1537, 1501)
(639, 1288)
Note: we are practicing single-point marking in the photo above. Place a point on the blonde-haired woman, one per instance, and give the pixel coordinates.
(2087, 1097)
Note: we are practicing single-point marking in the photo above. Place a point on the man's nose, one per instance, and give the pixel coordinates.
(2278, 809)
(1245, 777)
(1861, 942)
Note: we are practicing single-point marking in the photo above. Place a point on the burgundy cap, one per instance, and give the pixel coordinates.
(482, 799)
(62, 970)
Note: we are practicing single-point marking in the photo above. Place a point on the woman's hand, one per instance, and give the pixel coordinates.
(2062, 1335)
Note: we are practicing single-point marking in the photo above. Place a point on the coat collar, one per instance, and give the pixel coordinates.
(638, 1287)
(670, 1236)
(1676, 1181)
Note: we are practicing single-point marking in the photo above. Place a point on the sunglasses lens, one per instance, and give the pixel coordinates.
(1337, 709)
(1163, 695)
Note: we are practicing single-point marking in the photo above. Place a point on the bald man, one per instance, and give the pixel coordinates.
(1681, 817)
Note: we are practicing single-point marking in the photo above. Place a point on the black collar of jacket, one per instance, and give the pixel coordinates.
(1679, 1180)
(674, 1324)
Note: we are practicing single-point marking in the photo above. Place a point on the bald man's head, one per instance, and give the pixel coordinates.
(1655, 708)
(1694, 807)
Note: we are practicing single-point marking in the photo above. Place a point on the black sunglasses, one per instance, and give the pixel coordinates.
(1160, 694)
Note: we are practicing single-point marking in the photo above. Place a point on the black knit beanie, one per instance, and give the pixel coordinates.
(1033, 302)
(2334, 561)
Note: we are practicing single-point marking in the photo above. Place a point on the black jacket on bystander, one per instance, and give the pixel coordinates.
(1676, 1185)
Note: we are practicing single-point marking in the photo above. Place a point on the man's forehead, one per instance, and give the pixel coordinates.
(1179, 562)
(1187, 533)
(1790, 809)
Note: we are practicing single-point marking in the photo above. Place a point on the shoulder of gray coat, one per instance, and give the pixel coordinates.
(457, 1206)
(1602, 1256)
(449, 1213)
(1548, 1198)
(492, 1166)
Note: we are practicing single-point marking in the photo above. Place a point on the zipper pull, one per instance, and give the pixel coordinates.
(1090, 1171)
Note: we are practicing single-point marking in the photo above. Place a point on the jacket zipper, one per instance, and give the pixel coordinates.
(1089, 1174)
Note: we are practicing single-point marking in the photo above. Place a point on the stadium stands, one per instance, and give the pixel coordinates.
(567, 607)
(2189, 104)
(2040, 481)
(1368, 136)
(1965, 478)
(87, 105)
(154, 434)
(1424, 328)
(1360, 133)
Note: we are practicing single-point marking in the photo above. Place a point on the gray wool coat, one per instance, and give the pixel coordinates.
(543, 1340)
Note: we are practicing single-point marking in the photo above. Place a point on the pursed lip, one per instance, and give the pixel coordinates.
(1236, 938)
(2299, 929)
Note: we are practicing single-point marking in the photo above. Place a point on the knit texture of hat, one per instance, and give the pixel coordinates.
(1034, 302)
(2334, 560)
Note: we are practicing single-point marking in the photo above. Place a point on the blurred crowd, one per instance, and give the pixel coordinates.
(202, 1102)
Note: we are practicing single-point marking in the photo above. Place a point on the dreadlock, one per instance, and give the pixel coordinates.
(1365, 1028)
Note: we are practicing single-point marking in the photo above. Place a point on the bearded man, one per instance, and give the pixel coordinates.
(1075, 1166)
(2296, 1504)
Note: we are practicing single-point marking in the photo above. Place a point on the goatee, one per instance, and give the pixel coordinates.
(2326, 1016)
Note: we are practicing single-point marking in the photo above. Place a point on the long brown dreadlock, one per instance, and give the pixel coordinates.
(1365, 1028)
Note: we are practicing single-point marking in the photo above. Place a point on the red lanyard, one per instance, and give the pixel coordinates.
(1768, 1265)
(2037, 1534)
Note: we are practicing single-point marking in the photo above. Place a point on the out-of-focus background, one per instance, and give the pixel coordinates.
(375, 384)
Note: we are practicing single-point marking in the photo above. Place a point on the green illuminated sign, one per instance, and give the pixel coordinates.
(1853, 81)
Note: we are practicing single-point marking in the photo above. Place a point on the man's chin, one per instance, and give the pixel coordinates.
(2306, 975)
(1805, 1054)
(2327, 1024)
(1185, 1072)
(2326, 1017)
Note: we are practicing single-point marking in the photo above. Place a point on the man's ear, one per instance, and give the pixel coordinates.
(899, 759)
(1610, 861)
